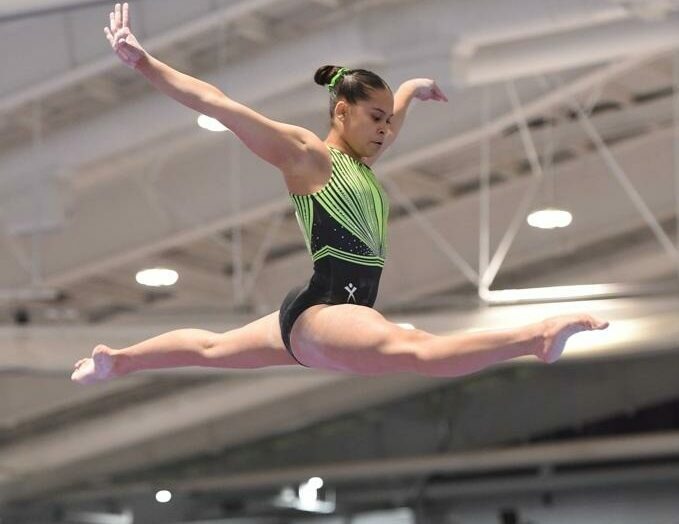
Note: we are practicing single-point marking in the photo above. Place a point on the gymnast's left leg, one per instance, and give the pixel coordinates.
(358, 339)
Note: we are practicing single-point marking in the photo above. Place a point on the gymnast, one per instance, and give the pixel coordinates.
(328, 323)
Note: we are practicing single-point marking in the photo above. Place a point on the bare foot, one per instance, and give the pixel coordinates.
(98, 368)
(557, 330)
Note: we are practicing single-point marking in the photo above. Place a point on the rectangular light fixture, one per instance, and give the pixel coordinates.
(554, 293)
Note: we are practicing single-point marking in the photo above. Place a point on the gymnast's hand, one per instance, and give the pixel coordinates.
(426, 89)
(123, 42)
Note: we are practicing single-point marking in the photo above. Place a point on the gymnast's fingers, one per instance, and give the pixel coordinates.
(126, 15)
(118, 16)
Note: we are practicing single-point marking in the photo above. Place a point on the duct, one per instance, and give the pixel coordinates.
(555, 52)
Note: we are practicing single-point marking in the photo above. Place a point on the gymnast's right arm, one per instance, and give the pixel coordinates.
(282, 145)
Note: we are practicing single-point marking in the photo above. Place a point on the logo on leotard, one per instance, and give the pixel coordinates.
(351, 289)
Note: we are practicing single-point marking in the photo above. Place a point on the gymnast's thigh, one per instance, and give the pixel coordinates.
(254, 345)
(353, 338)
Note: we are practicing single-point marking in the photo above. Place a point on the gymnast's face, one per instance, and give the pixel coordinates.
(365, 125)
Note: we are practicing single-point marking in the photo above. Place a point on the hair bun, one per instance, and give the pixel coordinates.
(325, 73)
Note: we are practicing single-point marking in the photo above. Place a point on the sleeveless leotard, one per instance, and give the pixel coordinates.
(345, 230)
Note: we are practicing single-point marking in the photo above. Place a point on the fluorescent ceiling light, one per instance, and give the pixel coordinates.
(315, 483)
(157, 277)
(126, 517)
(163, 496)
(307, 498)
(549, 218)
(545, 294)
(211, 124)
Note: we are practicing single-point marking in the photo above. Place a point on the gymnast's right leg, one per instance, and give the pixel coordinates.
(255, 345)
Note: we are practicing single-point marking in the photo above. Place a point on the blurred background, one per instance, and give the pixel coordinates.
(548, 184)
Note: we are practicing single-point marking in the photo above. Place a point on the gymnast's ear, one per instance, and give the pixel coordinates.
(341, 109)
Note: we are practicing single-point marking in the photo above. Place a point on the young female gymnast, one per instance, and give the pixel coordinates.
(342, 211)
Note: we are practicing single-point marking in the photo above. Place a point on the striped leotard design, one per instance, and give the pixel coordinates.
(353, 205)
(345, 230)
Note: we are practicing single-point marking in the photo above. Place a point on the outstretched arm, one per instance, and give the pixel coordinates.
(280, 144)
(419, 88)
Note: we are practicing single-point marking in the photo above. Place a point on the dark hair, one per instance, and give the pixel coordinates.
(355, 85)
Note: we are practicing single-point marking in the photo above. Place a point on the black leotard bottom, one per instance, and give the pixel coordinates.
(333, 282)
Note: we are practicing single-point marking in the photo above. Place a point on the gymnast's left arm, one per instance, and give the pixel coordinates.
(419, 88)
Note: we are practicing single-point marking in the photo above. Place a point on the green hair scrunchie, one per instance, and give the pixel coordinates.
(337, 77)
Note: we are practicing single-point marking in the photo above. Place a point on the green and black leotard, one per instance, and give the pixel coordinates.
(345, 229)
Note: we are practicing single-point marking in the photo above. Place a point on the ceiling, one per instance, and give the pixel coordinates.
(556, 102)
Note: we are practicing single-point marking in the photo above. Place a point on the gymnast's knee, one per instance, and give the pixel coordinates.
(407, 350)
(213, 345)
